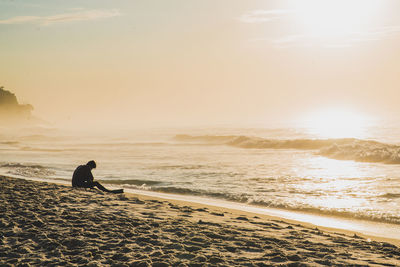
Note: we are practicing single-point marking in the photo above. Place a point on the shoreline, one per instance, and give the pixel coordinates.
(305, 219)
(347, 226)
(51, 224)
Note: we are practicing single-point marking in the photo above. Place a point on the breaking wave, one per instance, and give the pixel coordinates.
(127, 144)
(390, 196)
(37, 149)
(341, 148)
(27, 170)
(247, 199)
(9, 143)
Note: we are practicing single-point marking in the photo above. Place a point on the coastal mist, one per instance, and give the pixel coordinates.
(288, 168)
(200, 133)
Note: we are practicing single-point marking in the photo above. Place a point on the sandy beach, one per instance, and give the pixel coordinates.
(44, 224)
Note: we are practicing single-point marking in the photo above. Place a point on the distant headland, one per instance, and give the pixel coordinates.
(11, 112)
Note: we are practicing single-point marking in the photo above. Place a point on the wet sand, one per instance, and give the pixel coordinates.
(44, 224)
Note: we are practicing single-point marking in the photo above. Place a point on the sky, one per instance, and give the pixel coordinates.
(185, 62)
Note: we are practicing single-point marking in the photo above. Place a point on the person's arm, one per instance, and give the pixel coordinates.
(87, 174)
(90, 177)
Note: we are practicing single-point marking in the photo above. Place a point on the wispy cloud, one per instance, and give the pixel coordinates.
(290, 39)
(377, 33)
(259, 15)
(64, 17)
(350, 39)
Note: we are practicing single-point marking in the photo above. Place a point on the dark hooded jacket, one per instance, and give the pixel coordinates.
(82, 176)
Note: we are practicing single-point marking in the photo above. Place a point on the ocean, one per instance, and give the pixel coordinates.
(292, 169)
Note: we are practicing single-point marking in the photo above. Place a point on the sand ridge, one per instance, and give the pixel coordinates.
(44, 224)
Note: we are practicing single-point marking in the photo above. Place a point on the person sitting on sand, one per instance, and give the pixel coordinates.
(83, 177)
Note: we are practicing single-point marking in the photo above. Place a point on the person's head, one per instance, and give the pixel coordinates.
(91, 164)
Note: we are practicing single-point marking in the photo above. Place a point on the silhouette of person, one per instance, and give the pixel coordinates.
(83, 177)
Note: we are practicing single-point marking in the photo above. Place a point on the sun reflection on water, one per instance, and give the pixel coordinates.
(321, 167)
(334, 184)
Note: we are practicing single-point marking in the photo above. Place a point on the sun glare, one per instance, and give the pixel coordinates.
(335, 18)
(336, 123)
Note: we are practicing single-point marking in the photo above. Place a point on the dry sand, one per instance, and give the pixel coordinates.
(43, 224)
